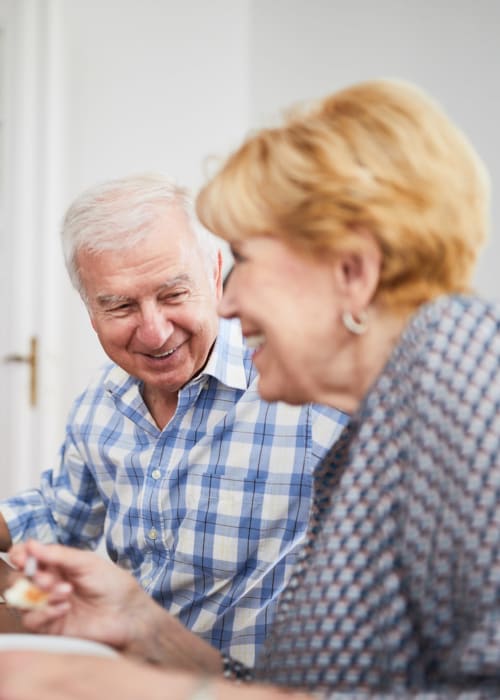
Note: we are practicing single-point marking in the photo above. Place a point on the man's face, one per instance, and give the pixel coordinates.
(153, 306)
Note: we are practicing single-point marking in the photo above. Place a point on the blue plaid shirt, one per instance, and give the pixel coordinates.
(207, 512)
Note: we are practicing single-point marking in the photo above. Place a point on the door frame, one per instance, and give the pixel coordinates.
(33, 139)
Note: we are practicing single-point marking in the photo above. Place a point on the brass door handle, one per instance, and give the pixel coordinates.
(32, 361)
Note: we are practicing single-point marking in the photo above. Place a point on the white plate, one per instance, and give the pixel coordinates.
(54, 644)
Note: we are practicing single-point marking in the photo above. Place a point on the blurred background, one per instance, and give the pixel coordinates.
(94, 89)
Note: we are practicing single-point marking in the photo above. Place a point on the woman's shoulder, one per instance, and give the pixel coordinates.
(455, 396)
(458, 314)
(448, 359)
(455, 362)
(455, 328)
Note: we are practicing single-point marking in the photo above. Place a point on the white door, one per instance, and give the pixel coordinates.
(29, 415)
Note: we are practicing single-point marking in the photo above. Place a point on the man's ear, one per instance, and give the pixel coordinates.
(358, 273)
(218, 277)
(87, 307)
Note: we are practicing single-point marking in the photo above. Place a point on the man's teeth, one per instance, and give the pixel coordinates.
(164, 354)
(255, 341)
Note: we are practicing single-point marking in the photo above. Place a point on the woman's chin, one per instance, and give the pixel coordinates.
(271, 391)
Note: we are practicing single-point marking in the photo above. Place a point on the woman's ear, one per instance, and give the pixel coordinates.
(358, 272)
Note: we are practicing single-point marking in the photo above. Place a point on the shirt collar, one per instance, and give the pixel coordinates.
(226, 361)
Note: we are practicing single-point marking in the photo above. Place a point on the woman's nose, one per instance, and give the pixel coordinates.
(226, 308)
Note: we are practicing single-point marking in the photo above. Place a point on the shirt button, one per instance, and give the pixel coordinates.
(146, 582)
(156, 473)
(152, 534)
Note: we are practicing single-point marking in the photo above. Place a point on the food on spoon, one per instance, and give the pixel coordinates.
(24, 594)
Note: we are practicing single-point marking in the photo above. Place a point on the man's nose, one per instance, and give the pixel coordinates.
(154, 328)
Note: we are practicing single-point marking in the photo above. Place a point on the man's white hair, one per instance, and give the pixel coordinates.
(120, 213)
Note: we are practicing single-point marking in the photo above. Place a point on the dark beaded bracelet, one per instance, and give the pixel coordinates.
(236, 671)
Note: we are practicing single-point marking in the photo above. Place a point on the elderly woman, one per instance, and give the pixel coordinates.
(355, 228)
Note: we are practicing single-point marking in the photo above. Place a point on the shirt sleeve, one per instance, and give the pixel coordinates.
(66, 508)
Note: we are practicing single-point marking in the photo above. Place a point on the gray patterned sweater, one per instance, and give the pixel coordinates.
(397, 591)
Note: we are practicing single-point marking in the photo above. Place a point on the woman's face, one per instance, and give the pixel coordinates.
(290, 309)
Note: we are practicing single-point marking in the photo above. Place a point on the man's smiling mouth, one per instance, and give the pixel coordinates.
(162, 355)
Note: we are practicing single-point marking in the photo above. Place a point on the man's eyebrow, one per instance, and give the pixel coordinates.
(111, 299)
(174, 281)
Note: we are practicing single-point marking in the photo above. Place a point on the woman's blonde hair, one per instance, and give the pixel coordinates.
(378, 156)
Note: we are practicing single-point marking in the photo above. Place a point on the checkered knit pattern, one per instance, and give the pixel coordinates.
(397, 591)
(208, 512)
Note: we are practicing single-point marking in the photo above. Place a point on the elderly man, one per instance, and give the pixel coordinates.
(199, 488)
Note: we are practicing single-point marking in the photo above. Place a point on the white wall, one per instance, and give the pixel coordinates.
(307, 48)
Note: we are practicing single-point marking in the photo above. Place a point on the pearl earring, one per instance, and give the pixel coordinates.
(358, 325)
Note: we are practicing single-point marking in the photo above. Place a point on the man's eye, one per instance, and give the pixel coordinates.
(119, 310)
(173, 297)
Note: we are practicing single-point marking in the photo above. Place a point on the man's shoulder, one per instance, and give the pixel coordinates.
(109, 379)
